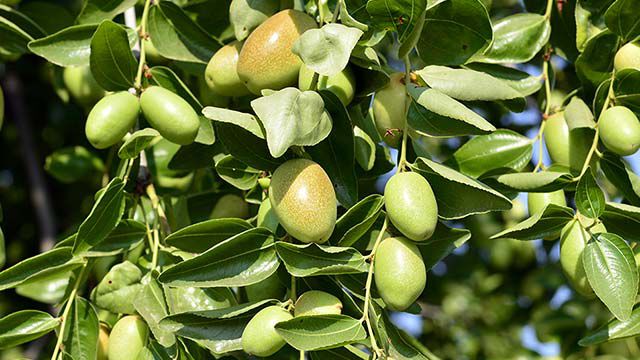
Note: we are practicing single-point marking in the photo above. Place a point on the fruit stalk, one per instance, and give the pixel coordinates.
(65, 313)
(143, 35)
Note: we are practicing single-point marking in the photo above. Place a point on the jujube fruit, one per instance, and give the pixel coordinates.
(573, 240)
(221, 73)
(389, 110)
(539, 201)
(259, 337)
(399, 271)
(411, 205)
(82, 85)
(127, 338)
(111, 118)
(230, 206)
(303, 198)
(266, 60)
(103, 343)
(556, 138)
(627, 57)
(620, 130)
(342, 84)
(315, 302)
(170, 114)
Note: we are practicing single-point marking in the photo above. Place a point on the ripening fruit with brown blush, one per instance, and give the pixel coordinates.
(411, 205)
(111, 118)
(573, 240)
(620, 130)
(221, 74)
(304, 201)
(170, 114)
(259, 337)
(628, 57)
(556, 138)
(315, 302)
(390, 109)
(266, 60)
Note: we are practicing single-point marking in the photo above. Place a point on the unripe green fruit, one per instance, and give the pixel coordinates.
(269, 288)
(82, 86)
(316, 302)
(260, 338)
(170, 114)
(399, 272)
(627, 57)
(266, 60)
(342, 84)
(573, 240)
(103, 343)
(303, 198)
(221, 74)
(389, 110)
(411, 205)
(230, 206)
(620, 130)
(556, 138)
(267, 217)
(127, 338)
(539, 201)
(111, 118)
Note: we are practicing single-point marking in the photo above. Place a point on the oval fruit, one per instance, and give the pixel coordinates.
(111, 118)
(221, 74)
(266, 60)
(389, 110)
(573, 240)
(103, 343)
(259, 337)
(539, 201)
(267, 217)
(82, 86)
(627, 57)
(620, 130)
(303, 198)
(399, 272)
(411, 205)
(269, 288)
(556, 138)
(127, 338)
(230, 206)
(171, 115)
(316, 302)
(342, 84)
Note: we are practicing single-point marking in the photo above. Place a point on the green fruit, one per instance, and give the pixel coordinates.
(411, 205)
(230, 206)
(573, 240)
(341, 85)
(111, 118)
(303, 198)
(316, 302)
(266, 60)
(127, 338)
(171, 115)
(103, 343)
(246, 15)
(267, 217)
(259, 337)
(399, 272)
(539, 201)
(221, 75)
(269, 288)
(627, 57)
(82, 86)
(390, 109)
(620, 130)
(556, 138)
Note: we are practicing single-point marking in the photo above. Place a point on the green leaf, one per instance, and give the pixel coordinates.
(292, 117)
(327, 50)
(112, 63)
(200, 237)
(16, 31)
(237, 173)
(321, 331)
(151, 305)
(500, 149)
(612, 273)
(244, 259)
(55, 261)
(517, 38)
(433, 113)
(81, 330)
(23, 326)
(49, 289)
(622, 18)
(168, 79)
(246, 15)
(246, 147)
(126, 236)
(622, 219)
(365, 149)
(520, 81)
(626, 88)
(336, 153)
(395, 341)
(457, 194)
(94, 11)
(20, 21)
(467, 19)
(595, 64)
(354, 223)
(105, 215)
(621, 176)
(313, 259)
(137, 142)
(614, 330)
(470, 85)
(443, 241)
(222, 313)
(544, 181)
(177, 37)
(73, 164)
(545, 223)
(385, 14)
(117, 290)
(589, 197)
(70, 46)
(344, 353)
(191, 299)
(243, 120)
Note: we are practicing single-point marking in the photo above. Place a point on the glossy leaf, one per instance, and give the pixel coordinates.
(246, 147)
(589, 197)
(622, 219)
(201, 236)
(137, 142)
(443, 241)
(364, 148)
(94, 11)
(112, 63)
(321, 331)
(622, 19)
(314, 260)
(237, 173)
(243, 120)
(626, 88)
(23, 326)
(55, 261)
(327, 50)
(354, 223)
(151, 305)
(81, 330)
(520, 81)
(595, 64)
(544, 181)
(385, 14)
(48, 289)
(614, 329)
(542, 224)
(622, 177)
(127, 235)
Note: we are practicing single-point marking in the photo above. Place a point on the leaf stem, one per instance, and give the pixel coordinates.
(143, 35)
(155, 203)
(547, 13)
(65, 313)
